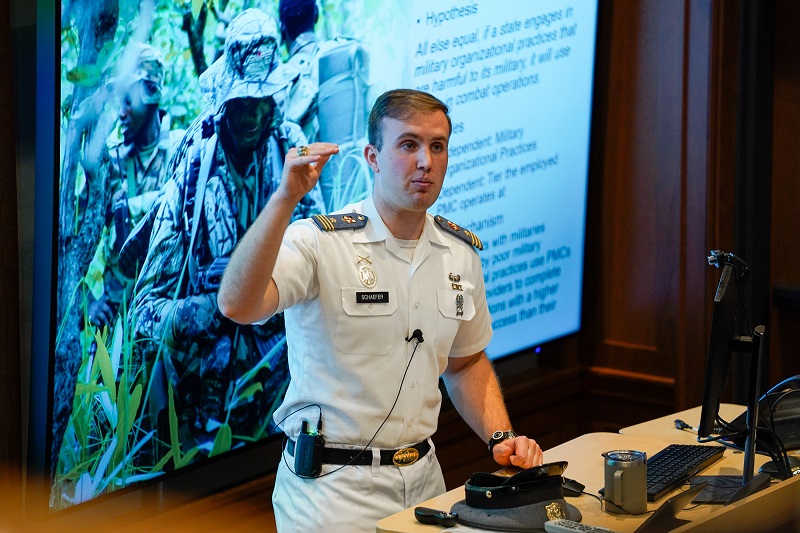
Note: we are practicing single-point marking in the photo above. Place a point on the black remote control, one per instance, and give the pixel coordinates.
(426, 515)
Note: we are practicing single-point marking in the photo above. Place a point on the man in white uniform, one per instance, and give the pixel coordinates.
(380, 300)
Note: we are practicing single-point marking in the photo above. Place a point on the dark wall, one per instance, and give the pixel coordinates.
(10, 376)
(658, 203)
(680, 170)
(785, 236)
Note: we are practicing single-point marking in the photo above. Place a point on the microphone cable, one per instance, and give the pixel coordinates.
(416, 336)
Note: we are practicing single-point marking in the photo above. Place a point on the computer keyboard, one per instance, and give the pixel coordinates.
(562, 525)
(674, 465)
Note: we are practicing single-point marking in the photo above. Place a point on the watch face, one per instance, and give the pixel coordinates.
(497, 435)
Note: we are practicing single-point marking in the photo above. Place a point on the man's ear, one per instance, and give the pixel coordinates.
(371, 155)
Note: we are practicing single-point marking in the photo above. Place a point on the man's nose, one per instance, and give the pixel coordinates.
(424, 158)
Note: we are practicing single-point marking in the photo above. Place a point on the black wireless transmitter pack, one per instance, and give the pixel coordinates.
(308, 451)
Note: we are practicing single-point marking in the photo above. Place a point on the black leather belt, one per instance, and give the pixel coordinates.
(400, 457)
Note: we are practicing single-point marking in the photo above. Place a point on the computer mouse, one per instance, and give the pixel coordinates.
(771, 468)
(570, 487)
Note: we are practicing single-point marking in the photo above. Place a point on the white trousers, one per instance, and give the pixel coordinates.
(353, 498)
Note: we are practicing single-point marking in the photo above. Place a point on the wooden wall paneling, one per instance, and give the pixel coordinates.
(641, 195)
(694, 210)
(545, 407)
(641, 219)
(784, 340)
(710, 135)
(666, 198)
(710, 181)
(620, 398)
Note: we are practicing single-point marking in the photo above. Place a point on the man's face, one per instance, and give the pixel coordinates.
(133, 112)
(410, 167)
(248, 119)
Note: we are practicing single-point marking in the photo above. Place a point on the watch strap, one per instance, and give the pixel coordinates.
(500, 436)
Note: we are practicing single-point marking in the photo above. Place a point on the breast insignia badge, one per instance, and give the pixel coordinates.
(367, 276)
(454, 282)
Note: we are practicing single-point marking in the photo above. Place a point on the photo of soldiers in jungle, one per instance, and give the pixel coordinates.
(175, 120)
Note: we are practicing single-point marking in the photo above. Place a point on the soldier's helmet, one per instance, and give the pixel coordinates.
(142, 63)
(250, 66)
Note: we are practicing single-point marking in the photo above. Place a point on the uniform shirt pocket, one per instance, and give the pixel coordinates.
(455, 307)
(455, 304)
(366, 324)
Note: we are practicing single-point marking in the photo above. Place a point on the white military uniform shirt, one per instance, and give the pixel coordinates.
(347, 347)
(350, 358)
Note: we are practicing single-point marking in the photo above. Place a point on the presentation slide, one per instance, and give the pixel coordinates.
(146, 377)
(518, 80)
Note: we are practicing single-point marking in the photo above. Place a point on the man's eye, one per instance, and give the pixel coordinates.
(408, 145)
(437, 148)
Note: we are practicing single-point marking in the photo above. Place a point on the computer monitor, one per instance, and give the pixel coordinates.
(724, 330)
(730, 334)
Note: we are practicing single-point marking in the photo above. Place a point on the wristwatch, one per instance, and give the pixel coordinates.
(500, 436)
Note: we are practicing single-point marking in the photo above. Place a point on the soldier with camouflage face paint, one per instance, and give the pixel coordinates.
(137, 169)
(228, 164)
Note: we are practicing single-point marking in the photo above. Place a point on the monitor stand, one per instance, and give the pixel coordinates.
(727, 489)
(724, 490)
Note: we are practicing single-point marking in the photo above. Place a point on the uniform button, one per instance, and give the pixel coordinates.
(371, 306)
(416, 305)
(410, 423)
(414, 384)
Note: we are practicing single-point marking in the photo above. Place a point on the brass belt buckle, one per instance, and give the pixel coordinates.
(405, 456)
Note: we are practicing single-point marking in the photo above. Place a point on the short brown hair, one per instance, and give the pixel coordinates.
(401, 104)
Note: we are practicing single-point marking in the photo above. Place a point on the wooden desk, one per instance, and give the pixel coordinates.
(586, 466)
(664, 427)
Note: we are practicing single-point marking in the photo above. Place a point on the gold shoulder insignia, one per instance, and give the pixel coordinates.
(462, 233)
(340, 221)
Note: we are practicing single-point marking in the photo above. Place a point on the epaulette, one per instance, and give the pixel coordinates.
(462, 233)
(340, 221)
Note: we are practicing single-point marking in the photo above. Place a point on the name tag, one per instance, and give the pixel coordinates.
(372, 297)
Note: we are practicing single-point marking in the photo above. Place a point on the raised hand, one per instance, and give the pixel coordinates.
(302, 168)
